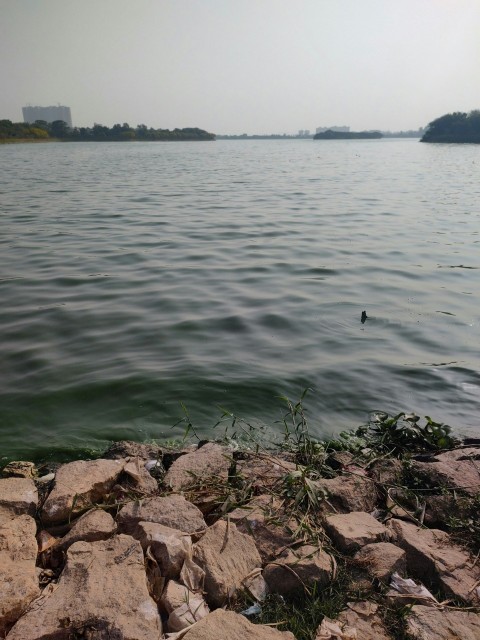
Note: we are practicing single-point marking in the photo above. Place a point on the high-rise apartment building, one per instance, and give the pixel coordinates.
(49, 114)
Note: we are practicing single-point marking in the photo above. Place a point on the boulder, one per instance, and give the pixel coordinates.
(441, 508)
(102, 593)
(79, 485)
(381, 559)
(17, 496)
(184, 607)
(19, 469)
(130, 449)
(264, 471)
(227, 624)
(352, 492)
(18, 577)
(364, 617)
(94, 525)
(142, 480)
(227, 556)
(351, 531)
(428, 623)
(168, 546)
(459, 468)
(174, 595)
(266, 521)
(298, 569)
(212, 461)
(172, 511)
(387, 471)
(432, 556)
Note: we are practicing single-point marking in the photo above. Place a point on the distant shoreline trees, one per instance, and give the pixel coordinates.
(454, 127)
(59, 130)
(348, 135)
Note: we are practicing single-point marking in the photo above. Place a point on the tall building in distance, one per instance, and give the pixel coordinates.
(49, 114)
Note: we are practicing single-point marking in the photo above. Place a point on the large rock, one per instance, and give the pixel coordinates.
(130, 449)
(102, 593)
(19, 469)
(18, 578)
(266, 521)
(351, 492)
(351, 531)
(172, 511)
(459, 468)
(143, 482)
(381, 559)
(364, 617)
(227, 557)
(170, 547)
(264, 471)
(387, 471)
(296, 570)
(227, 624)
(212, 461)
(428, 623)
(17, 496)
(432, 556)
(184, 607)
(94, 525)
(79, 485)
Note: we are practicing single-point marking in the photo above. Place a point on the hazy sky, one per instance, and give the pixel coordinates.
(234, 66)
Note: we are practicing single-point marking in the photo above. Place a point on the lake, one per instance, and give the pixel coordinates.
(135, 277)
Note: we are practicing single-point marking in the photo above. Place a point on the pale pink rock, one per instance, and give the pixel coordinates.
(18, 577)
(428, 623)
(210, 461)
(17, 496)
(298, 569)
(102, 589)
(79, 485)
(364, 617)
(264, 471)
(172, 511)
(221, 624)
(227, 557)
(174, 595)
(143, 481)
(431, 555)
(350, 492)
(459, 468)
(351, 531)
(94, 525)
(184, 607)
(129, 449)
(381, 559)
(19, 469)
(168, 546)
(266, 521)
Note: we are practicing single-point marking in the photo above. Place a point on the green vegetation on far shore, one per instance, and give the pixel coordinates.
(348, 135)
(454, 127)
(41, 131)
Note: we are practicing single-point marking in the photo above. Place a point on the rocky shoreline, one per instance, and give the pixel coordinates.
(196, 543)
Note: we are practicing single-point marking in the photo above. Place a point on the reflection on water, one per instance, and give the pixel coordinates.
(134, 277)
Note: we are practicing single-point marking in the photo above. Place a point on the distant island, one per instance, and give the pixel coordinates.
(347, 135)
(454, 127)
(41, 130)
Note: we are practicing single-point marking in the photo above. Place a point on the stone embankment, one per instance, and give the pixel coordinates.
(147, 544)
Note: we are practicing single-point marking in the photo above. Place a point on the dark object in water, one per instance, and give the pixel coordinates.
(364, 317)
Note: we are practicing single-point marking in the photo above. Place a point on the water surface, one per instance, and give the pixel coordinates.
(136, 276)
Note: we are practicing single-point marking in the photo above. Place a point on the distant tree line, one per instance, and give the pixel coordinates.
(454, 127)
(21, 131)
(347, 135)
(118, 133)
